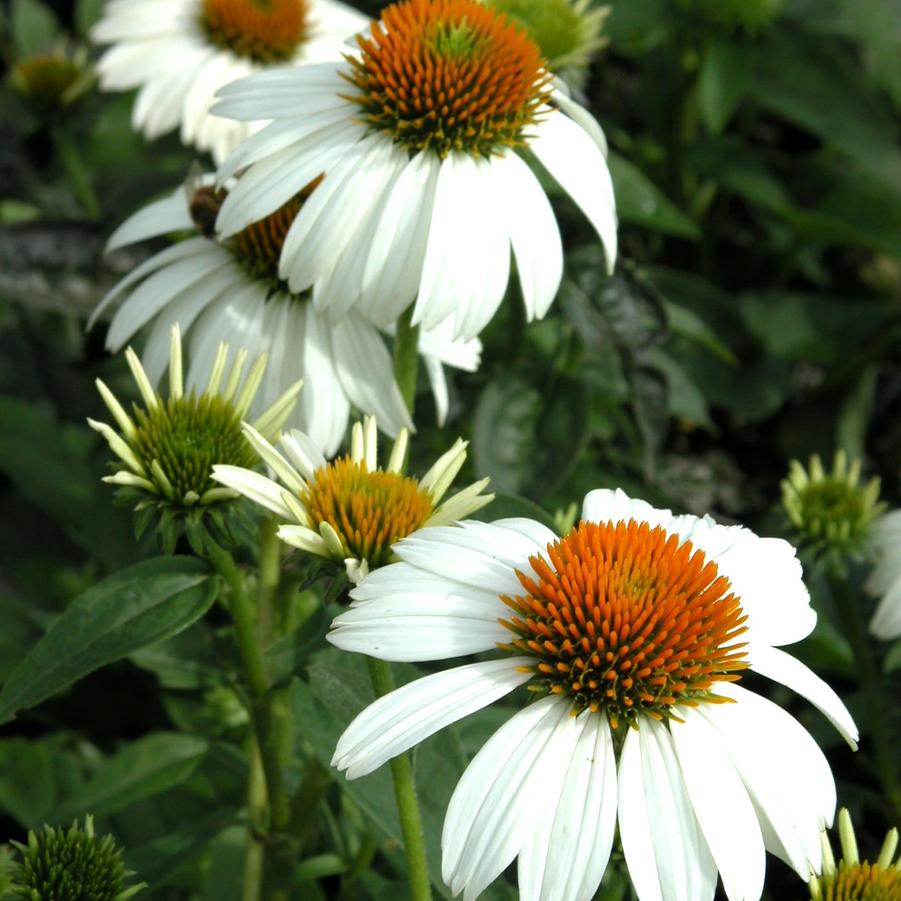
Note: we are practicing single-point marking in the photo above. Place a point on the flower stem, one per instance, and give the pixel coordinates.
(884, 755)
(76, 173)
(406, 357)
(241, 607)
(405, 795)
(254, 850)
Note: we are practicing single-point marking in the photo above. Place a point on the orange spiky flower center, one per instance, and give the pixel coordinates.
(258, 247)
(369, 510)
(265, 31)
(862, 882)
(446, 75)
(627, 620)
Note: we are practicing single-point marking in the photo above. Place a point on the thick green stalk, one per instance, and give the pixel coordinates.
(76, 172)
(884, 753)
(241, 607)
(405, 795)
(254, 850)
(406, 357)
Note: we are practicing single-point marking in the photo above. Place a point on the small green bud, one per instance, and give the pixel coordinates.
(852, 879)
(750, 16)
(832, 513)
(568, 32)
(50, 83)
(167, 448)
(73, 865)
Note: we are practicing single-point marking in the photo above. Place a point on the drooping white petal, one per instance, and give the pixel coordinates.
(781, 667)
(534, 234)
(667, 855)
(161, 217)
(302, 452)
(786, 774)
(569, 153)
(565, 857)
(721, 804)
(886, 622)
(492, 812)
(412, 713)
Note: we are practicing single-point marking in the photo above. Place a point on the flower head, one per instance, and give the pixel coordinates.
(350, 509)
(852, 879)
(179, 52)
(73, 864)
(634, 630)
(568, 32)
(833, 512)
(420, 133)
(52, 82)
(169, 446)
(228, 289)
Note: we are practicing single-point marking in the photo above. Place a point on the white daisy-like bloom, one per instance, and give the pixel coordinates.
(885, 579)
(180, 52)
(229, 290)
(634, 631)
(422, 132)
(349, 509)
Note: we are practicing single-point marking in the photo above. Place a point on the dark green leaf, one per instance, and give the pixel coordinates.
(724, 78)
(286, 656)
(640, 202)
(503, 433)
(151, 765)
(34, 26)
(134, 608)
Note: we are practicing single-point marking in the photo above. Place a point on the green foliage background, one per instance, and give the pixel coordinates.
(755, 316)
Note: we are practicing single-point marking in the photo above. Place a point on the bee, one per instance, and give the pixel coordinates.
(204, 201)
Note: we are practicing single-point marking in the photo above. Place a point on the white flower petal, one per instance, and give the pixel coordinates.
(789, 671)
(254, 486)
(161, 217)
(721, 804)
(565, 857)
(492, 811)
(412, 713)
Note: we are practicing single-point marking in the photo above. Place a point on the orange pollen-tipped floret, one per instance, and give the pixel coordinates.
(625, 619)
(449, 75)
(862, 882)
(265, 31)
(368, 510)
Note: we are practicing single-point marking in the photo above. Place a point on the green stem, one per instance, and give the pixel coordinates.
(75, 171)
(406, 357)
(871, 682)
(241, 608)
(254, 850)
(405, 795)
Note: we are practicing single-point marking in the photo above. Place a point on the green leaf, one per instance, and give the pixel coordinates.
(136, 607)
(724, 80)
(27, 781)
(503, 433)
(146, 767)
(223, 882)
(640, 202)
(684, 398)
(893, 658)
(86, 14)
(286, 656)
(688, 324)
(34, 26)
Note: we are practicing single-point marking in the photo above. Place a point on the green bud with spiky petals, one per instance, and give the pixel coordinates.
(167, 448)
(71, 865)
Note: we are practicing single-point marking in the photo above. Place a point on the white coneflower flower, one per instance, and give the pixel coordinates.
(421, 132)
(166, 449)
(852, 879)
(229, 290)
(349, 509)
(885, 579)
(180, 52)
(634, 630)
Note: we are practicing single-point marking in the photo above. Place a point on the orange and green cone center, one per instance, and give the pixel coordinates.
(449, 75)
(626, 620)
(369, 510)
(862, 882)
(265, 31)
